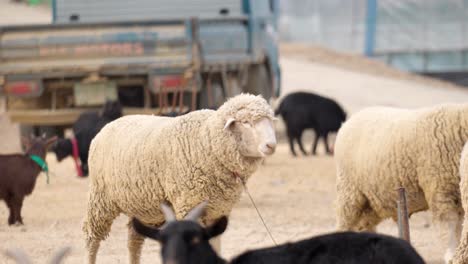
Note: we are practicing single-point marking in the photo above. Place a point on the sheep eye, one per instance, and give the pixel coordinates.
(246, 123)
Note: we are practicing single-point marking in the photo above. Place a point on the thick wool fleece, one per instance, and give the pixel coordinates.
(461, 255)
(380, 149)
(137, 162)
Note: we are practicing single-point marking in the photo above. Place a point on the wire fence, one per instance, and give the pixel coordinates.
(402, 25)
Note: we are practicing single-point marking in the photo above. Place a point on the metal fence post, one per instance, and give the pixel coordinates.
(371, 21)
(403, 224)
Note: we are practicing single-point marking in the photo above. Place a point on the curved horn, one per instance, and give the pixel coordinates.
(169, 214)
(18, 255)
(60, 255)
(196, 212)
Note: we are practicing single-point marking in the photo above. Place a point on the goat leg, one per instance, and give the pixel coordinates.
(11, 217)
(17, 204)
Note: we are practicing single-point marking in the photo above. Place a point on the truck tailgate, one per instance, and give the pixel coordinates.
(78, 47)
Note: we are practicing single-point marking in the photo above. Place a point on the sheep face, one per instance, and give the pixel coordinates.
(255, 139)
(62, 149)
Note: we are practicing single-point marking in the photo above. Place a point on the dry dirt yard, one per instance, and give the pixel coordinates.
(295, 195)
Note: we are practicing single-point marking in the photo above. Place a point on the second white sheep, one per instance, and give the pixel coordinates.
(380, 149)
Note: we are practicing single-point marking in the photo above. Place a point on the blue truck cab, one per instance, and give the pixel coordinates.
(159, 57)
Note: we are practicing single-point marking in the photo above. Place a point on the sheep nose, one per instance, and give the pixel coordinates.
(271, 145)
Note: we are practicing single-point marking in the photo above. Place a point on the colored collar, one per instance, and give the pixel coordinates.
(42, 164)
(238, 178)
(76, 156)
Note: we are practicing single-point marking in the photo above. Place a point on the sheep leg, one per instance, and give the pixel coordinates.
(299, 142)
(353, 210)
(97, 223)
(461, 255)
(325, 140)
(291, 142)
(450, 232)
(135, 243)
(314, 145)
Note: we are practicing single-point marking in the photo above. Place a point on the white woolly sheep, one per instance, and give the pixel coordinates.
(461, 255)
(137, 162)
(380, 149)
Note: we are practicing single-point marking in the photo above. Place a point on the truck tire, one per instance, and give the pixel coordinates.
(258, 81)
(217, 94)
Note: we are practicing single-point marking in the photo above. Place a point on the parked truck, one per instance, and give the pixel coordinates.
(162, 57)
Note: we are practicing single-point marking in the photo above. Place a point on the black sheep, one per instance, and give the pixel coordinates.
(186, 241)
(85, 129)
(301, 110)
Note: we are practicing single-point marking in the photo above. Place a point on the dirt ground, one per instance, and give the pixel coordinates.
(294, 195)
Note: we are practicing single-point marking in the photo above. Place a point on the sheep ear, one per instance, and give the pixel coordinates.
(217, 228)
(60, 255)
(196, 212)
(18, 255)
(169, 215)
(229, 122)
(146, 231)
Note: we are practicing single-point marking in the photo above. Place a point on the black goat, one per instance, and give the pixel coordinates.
(18, 174)
(301, 110)
(186, 242)
(85, 129)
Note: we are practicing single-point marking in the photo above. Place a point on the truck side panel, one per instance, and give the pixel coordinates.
(122, 10)
(87, 47)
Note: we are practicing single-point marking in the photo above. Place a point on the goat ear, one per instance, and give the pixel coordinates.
(146, 231)
(229, 122)
(18, 255)
(51, 140)
(217, 228)
(26, 142)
